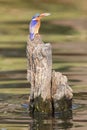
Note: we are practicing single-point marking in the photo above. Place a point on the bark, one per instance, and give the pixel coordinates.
(47, 87)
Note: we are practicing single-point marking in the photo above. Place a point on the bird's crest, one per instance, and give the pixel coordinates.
(36, 15)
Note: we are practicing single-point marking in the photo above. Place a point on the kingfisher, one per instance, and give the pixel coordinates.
(35, 24)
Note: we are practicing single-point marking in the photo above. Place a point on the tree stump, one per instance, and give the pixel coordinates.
(50, 91)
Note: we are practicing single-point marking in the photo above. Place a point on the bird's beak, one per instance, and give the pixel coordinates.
(44, 14)
(41, 15)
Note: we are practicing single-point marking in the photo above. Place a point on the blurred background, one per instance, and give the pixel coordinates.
(65, 29)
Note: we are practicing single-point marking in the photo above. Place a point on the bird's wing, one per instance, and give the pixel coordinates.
(32, 26)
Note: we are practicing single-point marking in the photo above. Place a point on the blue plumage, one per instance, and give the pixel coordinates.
(31, 36)
(32, 26)
(35, 24)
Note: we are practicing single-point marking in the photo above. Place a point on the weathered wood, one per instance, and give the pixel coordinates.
(39, 73)
(61, 92)
(47, 87)
(60, 87)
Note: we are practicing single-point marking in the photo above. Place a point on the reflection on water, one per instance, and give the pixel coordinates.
(60, 121)
(14, 110)
(63, 120)
(40, 122)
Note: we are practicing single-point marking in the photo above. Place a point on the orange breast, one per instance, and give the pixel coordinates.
(37, 27)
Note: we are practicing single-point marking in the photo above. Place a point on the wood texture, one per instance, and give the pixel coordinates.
(47, 87)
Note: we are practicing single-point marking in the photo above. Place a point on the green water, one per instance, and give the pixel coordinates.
(14, 115)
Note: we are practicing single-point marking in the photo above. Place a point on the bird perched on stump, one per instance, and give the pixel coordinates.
(35, 24)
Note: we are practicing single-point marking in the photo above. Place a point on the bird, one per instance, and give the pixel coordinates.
(35, 24)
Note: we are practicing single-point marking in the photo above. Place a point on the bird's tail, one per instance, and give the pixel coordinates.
(31, 36)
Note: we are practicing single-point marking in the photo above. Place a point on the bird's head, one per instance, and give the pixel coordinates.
(39, 16)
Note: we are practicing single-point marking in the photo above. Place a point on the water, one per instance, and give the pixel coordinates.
(19, 118)
(14, 115)
(14, 90)
(69, 57)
